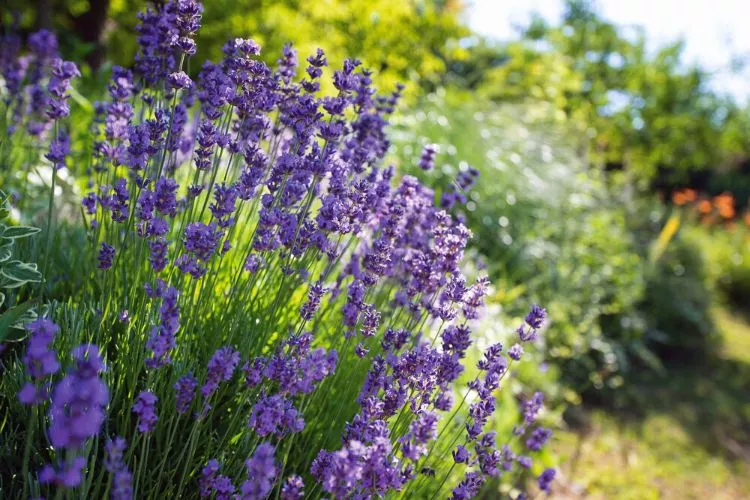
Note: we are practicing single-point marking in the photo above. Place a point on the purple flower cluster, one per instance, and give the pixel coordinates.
(456, 193)
(213, 482)
(275, 415)
(68, 475)
(78, 400)
(254, 197)
(184, 392)
(201, 240)
(106, 255)
(370, 470)
(293, 488)
(122, 479)
(220, 369)
(145, 409)
(40, 361)
(76, 414)
(545, 480)
(261, 472)
(533, 322)
(427, 160)
(295, 368)
(162, 339)
(57, 87)
(538, 438)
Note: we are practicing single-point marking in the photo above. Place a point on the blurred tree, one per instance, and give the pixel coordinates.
(646, 112)
(401, 40)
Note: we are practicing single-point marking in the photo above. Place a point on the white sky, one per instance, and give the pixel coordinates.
(713, 30)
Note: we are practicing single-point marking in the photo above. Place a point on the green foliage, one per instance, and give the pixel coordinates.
(729, 257)
(548, 228)
(14, 274)
(556, 231)
(677, 302)
(401, 40)
(646, 112)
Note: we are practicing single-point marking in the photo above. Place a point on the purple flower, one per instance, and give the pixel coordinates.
(145, 409)
(114, 462)
(359, 468)
(57, 87)
(531, 407)
(427, 160)
(469, 487)
(515, 352)
(158, 254)
(43, 44)
(254, 371)
(422, 430)
(89, 203)
(165, 192)
(315, 292)
(508, 458)
(118, 201)
(536, 317)
(545, 479)
(224, 488)
(40, 360)
(456, 339)
(538, 438)
(202, 239)
(225, 198)
(524, 461)
(184, 392)
(275, 415)
(370, 320)
(162, 339)
(106, 256)
(533, 322)
(361, 350)
(188, 16)
(220, 369)
(67, 476)
(493, 361)
(461, 455)
(253, 263)
(78, 401)
(293, 488)
(208, 478)
(190, 265)
(180, 80)
(474, 298)
(59, 148)
(261, 471)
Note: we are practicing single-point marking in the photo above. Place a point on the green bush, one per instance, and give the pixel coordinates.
(728, 254)
(565, 235)
(548, 226)
(677, 302)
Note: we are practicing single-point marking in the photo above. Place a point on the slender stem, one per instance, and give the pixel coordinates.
(27, 448)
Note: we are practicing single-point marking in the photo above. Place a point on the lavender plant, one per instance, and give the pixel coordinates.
(269, 312)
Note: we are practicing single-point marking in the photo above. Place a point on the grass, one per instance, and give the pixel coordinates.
(688, 437)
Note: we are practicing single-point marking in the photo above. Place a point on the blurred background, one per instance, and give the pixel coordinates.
(613, 144)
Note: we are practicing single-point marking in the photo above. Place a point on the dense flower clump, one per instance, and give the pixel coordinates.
(277, 314)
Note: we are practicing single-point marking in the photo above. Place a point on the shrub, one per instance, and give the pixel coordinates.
(263, 308)
(546, 225)
(678, 303)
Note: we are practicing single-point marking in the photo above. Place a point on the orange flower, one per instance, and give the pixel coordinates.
(690, 195)
(678, 198)
(705, 207)
(727, 211)
(746, 218)
(724, 200)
